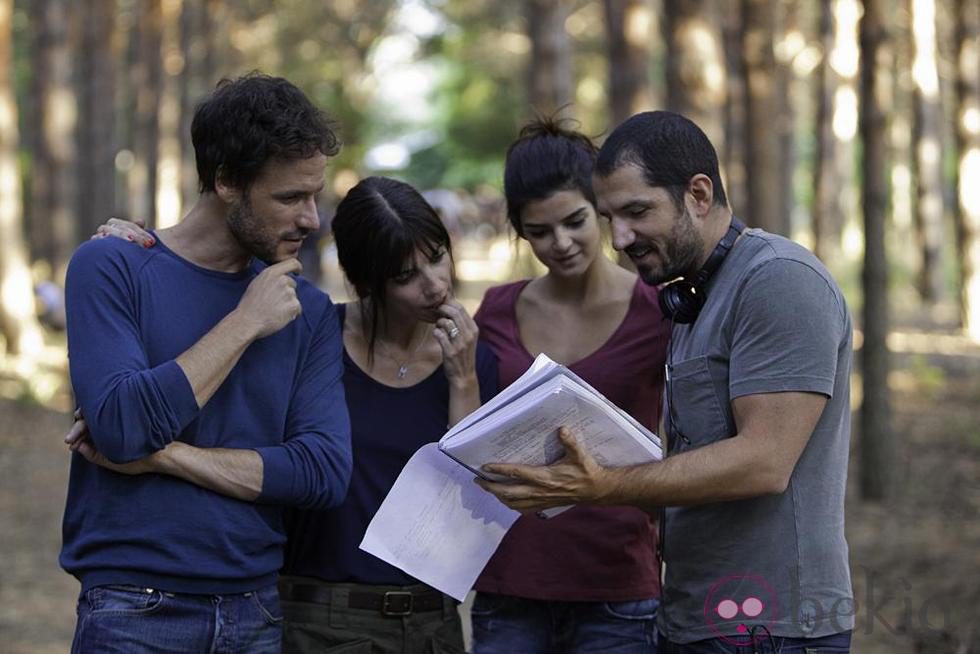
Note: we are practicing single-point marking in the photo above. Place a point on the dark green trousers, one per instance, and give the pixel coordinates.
(330, 625)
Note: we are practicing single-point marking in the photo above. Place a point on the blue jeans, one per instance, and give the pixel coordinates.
(131, 620)
(834, 644)
(512, 625)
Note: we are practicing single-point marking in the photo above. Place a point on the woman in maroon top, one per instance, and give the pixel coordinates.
(588, 579)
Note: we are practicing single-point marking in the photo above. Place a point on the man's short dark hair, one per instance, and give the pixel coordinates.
(669, 148)
(248, 121)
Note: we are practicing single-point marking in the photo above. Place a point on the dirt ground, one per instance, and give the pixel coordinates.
(915, 562)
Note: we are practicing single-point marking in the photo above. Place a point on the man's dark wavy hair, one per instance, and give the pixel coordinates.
(248, 121)
(669, 148)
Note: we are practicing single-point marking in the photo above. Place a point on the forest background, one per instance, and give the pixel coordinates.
(853, 127)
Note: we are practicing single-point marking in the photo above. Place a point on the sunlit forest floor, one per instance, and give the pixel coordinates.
(915, 561)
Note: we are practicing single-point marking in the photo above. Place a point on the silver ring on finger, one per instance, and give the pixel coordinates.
(453, 332)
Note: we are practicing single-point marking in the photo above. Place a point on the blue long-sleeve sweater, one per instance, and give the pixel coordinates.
(131, 313)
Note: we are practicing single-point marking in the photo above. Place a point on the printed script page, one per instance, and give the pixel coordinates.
(526, 430)
(437, 525)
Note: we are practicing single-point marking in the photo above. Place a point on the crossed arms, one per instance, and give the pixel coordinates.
(136, 412)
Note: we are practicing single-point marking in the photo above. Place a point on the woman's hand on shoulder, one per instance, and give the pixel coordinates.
(457, 334)
(125, 230)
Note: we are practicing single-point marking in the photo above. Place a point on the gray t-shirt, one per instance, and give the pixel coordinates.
(774, 321)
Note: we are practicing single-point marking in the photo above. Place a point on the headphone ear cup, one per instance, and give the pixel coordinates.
(680, 301)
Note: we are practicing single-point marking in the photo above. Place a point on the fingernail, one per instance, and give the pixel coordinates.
(148, 243)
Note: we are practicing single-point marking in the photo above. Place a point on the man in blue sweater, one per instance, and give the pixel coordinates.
(209, 376)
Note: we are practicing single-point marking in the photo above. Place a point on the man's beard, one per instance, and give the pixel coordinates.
(683, 252)
(249, 234)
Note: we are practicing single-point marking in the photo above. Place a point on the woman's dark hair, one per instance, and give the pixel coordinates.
(250, 120)
(546, 158)
(669, 148)
(378, 227)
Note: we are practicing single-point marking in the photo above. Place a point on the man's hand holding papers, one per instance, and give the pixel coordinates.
(547, 441)
(576, 478)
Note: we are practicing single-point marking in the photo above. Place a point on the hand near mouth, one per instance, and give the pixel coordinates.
(457, 334)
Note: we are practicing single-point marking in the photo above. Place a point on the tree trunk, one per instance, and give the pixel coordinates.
(695, 65)
(550, 85)
(784, 119)
(927, 169)
(762, 151)
(844, 61)
(629, 54)
(166, 191)
(192, 47)
(145, 84)
(732, 152)
(196, 79)
(878, 445)
(96, 115)
(18, 324)
(51, 224)
(968, 169)
(828, 181)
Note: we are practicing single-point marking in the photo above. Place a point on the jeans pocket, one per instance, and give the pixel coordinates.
(267, 602)
(488, 604)
(361, 646)
(438, 645)
(642, 609)
(123, 600)
(835, 644)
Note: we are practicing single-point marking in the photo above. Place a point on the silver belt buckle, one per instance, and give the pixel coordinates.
(397, 603)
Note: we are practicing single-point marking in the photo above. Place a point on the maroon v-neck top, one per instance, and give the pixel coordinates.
(586, 553)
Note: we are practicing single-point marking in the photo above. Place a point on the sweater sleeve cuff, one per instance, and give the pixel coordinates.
(277, 480)
(179, 393)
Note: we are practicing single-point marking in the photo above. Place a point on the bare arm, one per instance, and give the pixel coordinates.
(269, 304)
(269, 298)
(773, 430)
(459, 359)
(207, 363)
(464, 399)
(311, 468)
(135, 408)
(237, 473)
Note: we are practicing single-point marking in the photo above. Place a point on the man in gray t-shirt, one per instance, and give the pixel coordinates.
(757, 411)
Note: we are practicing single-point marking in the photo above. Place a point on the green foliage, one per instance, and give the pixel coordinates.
(930, 379)
(26, 395)
(476, 114)
(427, 168)
(480, 98)
(324, 48)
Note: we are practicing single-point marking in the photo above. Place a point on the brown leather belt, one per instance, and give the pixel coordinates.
(393, 603)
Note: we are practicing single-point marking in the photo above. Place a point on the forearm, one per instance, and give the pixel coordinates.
(236, 473)
(731, 469)
(464, 398)
(209, 361)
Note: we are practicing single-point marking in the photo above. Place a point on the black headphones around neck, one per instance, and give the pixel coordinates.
(681, 300)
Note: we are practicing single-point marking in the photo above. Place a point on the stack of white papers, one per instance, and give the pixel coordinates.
(520, 425)
(440, 527)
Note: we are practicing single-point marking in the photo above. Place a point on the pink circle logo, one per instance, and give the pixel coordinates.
(748, 601)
